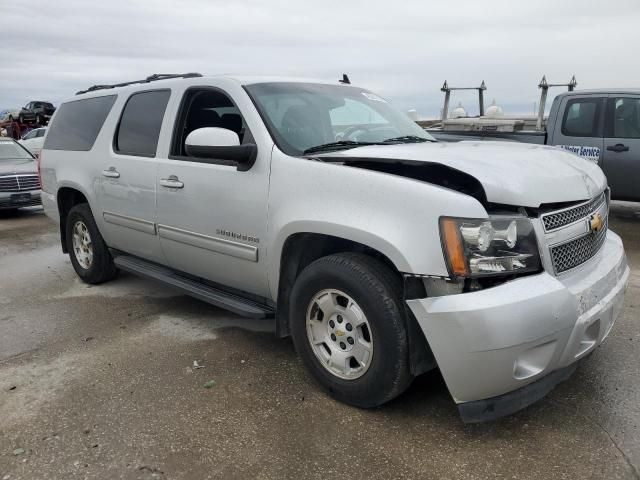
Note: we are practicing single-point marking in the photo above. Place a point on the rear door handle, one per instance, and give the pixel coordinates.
(111, 173)
(618, 147)
(171, 182)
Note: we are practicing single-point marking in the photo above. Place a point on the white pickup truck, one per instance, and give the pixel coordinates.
(382, 252)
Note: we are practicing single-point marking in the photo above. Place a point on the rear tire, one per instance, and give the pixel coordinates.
(363, 361)
(89, 254)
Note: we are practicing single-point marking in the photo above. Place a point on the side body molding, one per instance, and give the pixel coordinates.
(138, 224)
(218, 245)
(213, 244)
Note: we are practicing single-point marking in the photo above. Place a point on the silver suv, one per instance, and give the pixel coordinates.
(383, 253)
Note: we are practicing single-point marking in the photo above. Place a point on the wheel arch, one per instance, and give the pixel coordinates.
(67, 197)
(302, 248)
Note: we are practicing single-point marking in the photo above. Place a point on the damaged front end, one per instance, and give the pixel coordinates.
(513, 241)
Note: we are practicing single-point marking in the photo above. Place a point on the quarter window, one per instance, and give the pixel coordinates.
(77, 124)
(582, 117)
(139, 127)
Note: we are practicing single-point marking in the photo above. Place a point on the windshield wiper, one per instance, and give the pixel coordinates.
(337, 145)
(351, 143)
(408, 139)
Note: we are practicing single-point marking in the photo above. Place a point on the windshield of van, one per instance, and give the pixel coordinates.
(9, 150)
(306, 118)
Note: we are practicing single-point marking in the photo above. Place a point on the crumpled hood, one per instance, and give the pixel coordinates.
(11, 167)
(518, 174)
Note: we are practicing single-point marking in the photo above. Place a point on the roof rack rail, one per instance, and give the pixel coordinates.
(150, 78)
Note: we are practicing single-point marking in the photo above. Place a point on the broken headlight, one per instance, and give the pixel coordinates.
(489, 247)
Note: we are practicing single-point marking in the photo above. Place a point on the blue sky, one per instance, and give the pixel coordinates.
(402, 50)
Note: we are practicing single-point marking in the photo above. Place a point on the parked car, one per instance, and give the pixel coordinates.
(34, 140)
(38, 112)
(600, 125)
(381, 252)
(19, 182)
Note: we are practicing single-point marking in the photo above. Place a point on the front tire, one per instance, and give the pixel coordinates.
(89, 254)
(348, 325)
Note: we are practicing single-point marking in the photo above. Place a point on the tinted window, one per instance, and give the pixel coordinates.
(623, 118)
(40, 133)
(582, 117)
(77, 124)
(140, 123)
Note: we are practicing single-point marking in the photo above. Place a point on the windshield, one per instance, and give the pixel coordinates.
(9, 150)
(301, 116)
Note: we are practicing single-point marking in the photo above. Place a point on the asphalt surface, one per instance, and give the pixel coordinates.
(99, 382)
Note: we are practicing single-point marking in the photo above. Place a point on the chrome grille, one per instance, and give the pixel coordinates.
(555, 220)
(575, 252)
(19, 183)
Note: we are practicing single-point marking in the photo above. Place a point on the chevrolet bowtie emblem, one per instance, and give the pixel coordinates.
(596, 222)
(339, 333)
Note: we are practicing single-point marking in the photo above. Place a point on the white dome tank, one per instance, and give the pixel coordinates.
(494, 110)
(413, 114)
(459, 111)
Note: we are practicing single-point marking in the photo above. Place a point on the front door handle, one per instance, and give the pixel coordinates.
(111, 173)
(171, 182)
(618, 147)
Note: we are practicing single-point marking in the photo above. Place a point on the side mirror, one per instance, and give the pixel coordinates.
(221, 144)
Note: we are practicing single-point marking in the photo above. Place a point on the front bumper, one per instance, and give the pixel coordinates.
(499, 340)
(12, 200)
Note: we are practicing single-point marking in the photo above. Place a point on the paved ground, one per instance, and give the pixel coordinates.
(99, 383)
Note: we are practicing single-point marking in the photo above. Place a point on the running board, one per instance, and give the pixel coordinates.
(206, 293)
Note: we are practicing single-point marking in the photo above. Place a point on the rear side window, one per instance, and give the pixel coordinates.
(582, 117)
(77, 124)
(140, 123)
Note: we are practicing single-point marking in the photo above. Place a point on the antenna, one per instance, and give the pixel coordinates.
(345, 79)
